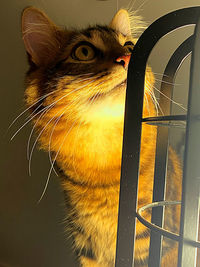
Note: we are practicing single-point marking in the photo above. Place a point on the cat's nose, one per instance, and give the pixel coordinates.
(123, 60)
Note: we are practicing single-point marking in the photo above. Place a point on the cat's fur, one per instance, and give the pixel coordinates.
(80, 122)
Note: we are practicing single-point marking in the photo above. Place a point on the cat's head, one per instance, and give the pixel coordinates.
(77, 77)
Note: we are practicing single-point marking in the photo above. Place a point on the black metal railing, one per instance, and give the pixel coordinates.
(128, 211)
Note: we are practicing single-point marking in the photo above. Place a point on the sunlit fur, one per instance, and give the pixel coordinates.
(81, 125)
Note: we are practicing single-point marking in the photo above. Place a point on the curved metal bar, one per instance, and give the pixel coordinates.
(133, 118)
(152, 226)
(189, 226)
(165, 118)
(167, 121)
(168, 124)
(160, 230)
(162, 143)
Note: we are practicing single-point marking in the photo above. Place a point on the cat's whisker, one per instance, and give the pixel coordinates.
(50, 139)
(140, 7)
(154, 99)
(33, 128)
(29, 140)
(75, 101)
(56, 122)
(85, 74)
(162, 81)
(174, 102)
(49, 122)
(34, 111)
(78, 128)
(28, 145)
(146, 102)
(131, 4)
(32, 119)
(155, 103)
(45, 111)
(48, 106)
(75, 78)
(50, 159)
(80, 81)
(25, 124)
(148, 108)
(49, 174)
(161, 74)
(92, 100)
(41, 98)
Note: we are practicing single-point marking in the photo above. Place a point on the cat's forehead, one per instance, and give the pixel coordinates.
(100, 36)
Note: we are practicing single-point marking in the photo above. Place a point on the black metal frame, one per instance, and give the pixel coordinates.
(131, 145)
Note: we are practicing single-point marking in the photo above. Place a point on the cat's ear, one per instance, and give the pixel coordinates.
(40, 36)
(121, 22)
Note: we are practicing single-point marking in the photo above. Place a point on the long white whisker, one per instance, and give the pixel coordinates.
(31, 133)
(154, 99)
(26, 123)
(147, 102)
(49, 174)
(56, 122)
(54, 127)
(176, 103)
(41, 98)
(92, 100)
(38, 100)
(131, 4)
(34, 111)
(139, 8)
(49, 107)
(161, 74)
(162, 81)
(46, 107)
(75, 80)
(29, 139)
(31, 153)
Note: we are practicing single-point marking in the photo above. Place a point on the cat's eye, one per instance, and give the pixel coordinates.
(84, 52)
(129, 45)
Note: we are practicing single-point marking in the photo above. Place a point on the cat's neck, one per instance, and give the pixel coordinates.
(92, 153)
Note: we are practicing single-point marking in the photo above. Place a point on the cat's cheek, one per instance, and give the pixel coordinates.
(31, 95)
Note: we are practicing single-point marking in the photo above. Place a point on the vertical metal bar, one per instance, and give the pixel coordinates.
(128, 187)
(191, 175)
(158, 195)
(162, 147)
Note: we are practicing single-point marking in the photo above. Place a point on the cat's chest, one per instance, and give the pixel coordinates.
(93, 201)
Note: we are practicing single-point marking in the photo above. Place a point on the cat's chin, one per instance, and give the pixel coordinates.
(109, 107)
(118, 89)
(115, 91)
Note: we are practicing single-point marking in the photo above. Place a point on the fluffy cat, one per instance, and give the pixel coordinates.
(76, 88)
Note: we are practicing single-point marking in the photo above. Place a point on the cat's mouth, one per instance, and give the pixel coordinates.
(117, 89)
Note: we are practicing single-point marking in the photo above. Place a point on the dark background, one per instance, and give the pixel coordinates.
(32, 234)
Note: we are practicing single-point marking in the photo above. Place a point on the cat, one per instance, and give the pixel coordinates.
(75, 89)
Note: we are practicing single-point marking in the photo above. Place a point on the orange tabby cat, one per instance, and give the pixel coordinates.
(77, 82)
